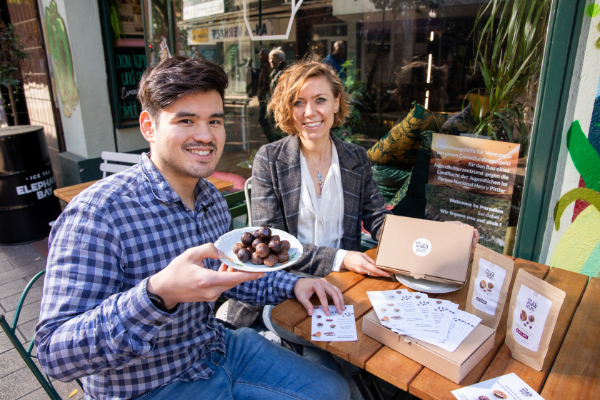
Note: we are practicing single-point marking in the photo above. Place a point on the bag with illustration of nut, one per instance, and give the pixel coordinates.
(491, 274)
(534, 308)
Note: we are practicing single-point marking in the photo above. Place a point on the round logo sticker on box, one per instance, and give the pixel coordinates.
(421, 247)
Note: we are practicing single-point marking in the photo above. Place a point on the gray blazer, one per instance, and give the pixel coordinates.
(276, 182)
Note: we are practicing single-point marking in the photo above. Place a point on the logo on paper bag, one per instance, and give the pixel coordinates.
(489, 274)
(421, 247)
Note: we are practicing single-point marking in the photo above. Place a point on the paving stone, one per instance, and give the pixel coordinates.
(25, 330)
(10, 361)
(5, 343)
(11, 288)
(29, 312)
(18, 384)
(23, 272)
(6, 265)
(22, 255)
(10, 303)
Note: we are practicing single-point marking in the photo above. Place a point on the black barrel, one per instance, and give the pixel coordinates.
(27, 202)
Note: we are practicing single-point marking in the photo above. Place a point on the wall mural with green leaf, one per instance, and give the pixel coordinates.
(579, 248)
(58, 42)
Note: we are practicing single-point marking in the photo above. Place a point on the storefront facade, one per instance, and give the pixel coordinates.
(393, 54)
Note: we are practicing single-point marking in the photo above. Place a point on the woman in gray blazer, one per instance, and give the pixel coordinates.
(309, 171)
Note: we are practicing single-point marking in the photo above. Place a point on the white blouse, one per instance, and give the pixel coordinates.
(321, 216)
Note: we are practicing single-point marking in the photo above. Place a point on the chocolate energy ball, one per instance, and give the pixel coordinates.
(264, 233)
(285, 245)
(247, 239)
(275, 237)
(271, 260)
(243, 255)
(237, 246)
(256, 242)
(256, 259)
(262, 250)
(283, 256)
(275, 246)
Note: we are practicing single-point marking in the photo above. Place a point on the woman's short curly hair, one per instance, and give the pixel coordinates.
(286, 93)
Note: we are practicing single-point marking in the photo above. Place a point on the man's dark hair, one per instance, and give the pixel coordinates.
(176, 77)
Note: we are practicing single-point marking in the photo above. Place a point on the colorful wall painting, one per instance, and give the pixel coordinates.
(579, 248)
(60, 50)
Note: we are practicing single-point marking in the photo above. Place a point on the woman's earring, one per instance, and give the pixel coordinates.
(337, 109)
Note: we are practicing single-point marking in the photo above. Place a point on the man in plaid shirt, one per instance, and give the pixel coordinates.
(132, 273)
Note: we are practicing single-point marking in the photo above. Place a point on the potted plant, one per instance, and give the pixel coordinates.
(11, 55)
(509, 58)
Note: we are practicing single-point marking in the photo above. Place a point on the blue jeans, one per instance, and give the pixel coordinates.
(255, 368)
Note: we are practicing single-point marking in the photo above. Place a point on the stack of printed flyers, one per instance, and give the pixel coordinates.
(430, 320)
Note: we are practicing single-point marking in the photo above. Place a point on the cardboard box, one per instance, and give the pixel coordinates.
(431, 250)
(454, 366)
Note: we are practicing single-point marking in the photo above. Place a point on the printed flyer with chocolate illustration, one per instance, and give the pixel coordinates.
(335, 327)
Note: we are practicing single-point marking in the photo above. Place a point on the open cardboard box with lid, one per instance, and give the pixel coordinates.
(431, 250)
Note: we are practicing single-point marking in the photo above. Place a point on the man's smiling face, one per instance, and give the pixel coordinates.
(188, 137)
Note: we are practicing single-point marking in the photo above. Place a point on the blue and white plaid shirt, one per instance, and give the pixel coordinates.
(96, 320)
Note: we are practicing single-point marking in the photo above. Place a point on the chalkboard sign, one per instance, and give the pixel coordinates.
(129, 64)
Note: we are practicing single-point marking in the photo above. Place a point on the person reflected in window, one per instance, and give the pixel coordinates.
(336, 59)
(278, 65)
(264, 93)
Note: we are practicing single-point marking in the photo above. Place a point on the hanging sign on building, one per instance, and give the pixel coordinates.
(202, 8)
(471, 180)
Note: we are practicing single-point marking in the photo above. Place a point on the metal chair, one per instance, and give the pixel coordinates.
(111, 158)
(237, 206)
(26, 354)
(247, 189)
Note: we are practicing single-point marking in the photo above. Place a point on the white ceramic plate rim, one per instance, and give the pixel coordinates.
(226, 242)
(426, 286)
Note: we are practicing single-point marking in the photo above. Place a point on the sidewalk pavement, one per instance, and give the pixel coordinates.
(18, 264)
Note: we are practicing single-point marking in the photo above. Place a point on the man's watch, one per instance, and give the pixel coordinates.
(160, 303)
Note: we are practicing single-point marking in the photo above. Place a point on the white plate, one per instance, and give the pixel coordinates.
(426, 286)
(225, 244)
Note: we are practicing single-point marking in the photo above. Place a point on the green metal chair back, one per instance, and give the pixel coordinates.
(237, 206)
(26, 354)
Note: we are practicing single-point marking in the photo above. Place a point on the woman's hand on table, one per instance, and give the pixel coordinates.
(304, 289)
(361, 264)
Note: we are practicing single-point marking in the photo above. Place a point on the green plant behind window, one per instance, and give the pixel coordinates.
(509, 58)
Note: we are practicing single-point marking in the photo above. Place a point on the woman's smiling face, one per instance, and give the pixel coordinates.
(314, 108)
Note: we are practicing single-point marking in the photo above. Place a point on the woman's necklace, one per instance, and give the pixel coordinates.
(319, 174)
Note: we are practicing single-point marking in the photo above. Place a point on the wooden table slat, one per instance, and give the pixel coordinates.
(430, 385)
(574, 285)
(67, 193)
(359, 352)
(393, 367)
(576, 371)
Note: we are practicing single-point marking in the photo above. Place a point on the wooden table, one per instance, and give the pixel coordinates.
(575, 373)
(69, 192)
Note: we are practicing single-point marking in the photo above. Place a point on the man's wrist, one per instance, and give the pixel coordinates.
(153, 286)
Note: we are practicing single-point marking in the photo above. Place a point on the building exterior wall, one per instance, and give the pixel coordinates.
(87, 123)
(573, 242)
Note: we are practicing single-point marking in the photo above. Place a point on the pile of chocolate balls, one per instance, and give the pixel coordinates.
(260, 247)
